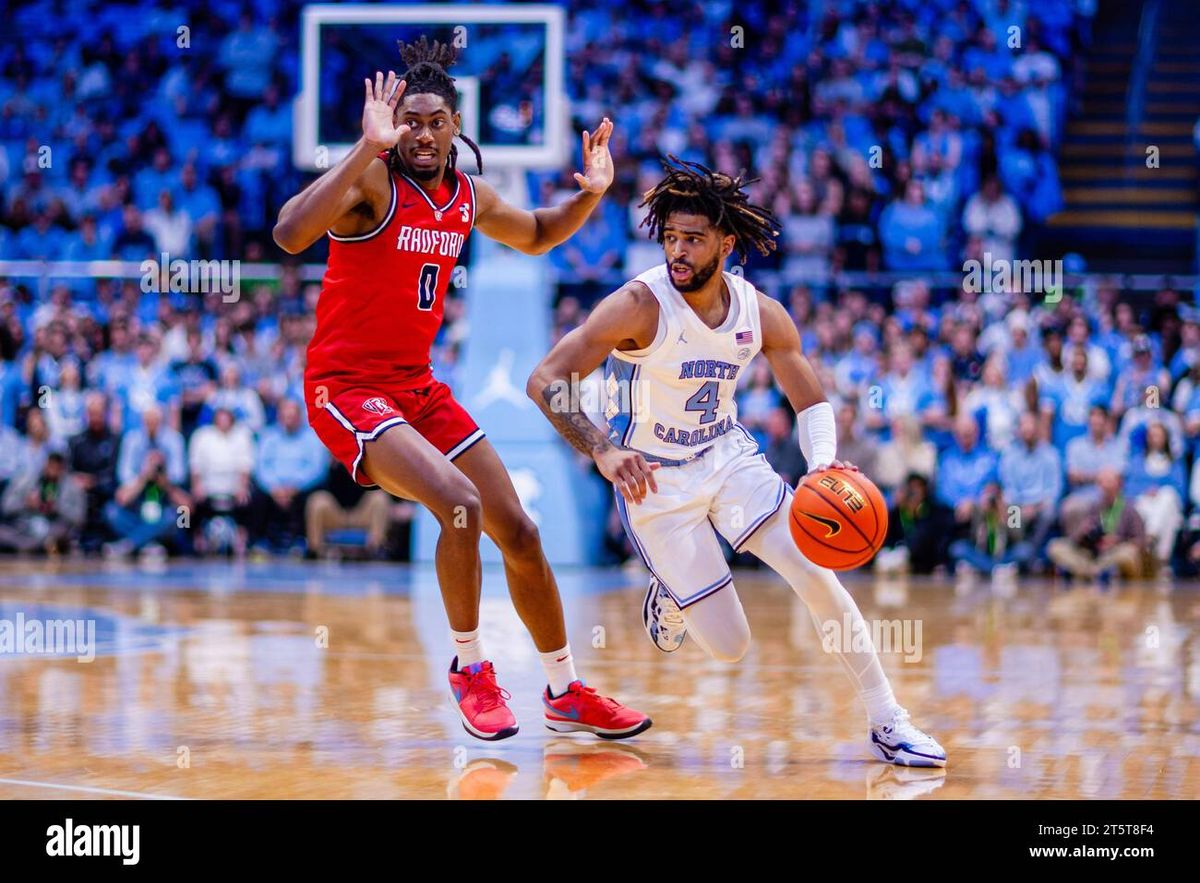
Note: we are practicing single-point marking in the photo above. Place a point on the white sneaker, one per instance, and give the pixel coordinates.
(663, 619)
(899, 742)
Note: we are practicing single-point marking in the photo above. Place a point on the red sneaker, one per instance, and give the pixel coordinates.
(480, 702)
(582, 708)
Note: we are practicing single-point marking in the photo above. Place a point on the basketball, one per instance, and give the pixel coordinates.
(838, 518)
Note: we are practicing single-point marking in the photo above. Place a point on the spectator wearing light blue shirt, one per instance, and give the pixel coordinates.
(269, 122)
(148, 383)
(11, 459)
(290, 464)
(1098, 449)
(1021, 353)
(911, 232)
(1066, 403)
(898, 393)
(13, 388)
(964, 470)
(201, 204)
(1143, 379)
(152, 435)
(1031, 478)
(247, 55)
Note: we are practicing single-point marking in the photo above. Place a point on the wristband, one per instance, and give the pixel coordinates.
(817, 435)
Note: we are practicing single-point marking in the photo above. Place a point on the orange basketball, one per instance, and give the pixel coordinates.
(838, 518)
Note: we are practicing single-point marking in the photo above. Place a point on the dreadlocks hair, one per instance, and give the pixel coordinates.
(427, 65)
(697, 190)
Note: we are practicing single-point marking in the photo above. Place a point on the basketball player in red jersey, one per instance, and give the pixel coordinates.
(397, 212)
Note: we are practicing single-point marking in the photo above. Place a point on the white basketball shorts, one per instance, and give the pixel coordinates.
(730, 489)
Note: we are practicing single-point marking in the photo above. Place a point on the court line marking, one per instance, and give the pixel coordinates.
(26, 783)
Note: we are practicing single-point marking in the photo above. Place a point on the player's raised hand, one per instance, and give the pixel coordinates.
(597, 161)
(629, 472)
(379, 110)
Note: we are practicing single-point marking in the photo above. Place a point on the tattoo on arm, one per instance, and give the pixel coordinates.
(573, 425)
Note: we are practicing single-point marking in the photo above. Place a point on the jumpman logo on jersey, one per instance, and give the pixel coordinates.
(499, 385)
(682, 339)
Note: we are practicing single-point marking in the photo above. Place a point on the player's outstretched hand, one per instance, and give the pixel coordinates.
(379, 110)
(597, 161)
(833, 464)
(629, 472)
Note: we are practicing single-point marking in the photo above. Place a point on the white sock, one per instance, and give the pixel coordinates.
(468, 647)
(560, 669)
(880, 702)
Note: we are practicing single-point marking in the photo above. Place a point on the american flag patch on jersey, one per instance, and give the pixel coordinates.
(744, 337)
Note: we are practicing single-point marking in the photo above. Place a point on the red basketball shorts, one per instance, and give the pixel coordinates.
(347, 415)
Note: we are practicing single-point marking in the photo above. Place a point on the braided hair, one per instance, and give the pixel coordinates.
(427, 64)
(697, 190)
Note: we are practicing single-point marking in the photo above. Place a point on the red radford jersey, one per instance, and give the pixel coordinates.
(384, 291)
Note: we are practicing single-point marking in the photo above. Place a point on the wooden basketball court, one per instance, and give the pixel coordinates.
(294, 680)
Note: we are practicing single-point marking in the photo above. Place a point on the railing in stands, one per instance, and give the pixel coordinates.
(1139, 74)
(46, 273)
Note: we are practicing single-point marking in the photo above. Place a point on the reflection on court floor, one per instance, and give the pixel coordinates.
(296, 680)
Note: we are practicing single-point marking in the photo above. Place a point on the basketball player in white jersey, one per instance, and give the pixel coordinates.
(677, 337)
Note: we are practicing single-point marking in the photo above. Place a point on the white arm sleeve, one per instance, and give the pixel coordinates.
(817, 434)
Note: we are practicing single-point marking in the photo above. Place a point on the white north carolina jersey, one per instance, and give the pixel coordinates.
(675, 398)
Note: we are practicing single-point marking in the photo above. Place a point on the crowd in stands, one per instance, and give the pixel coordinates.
(151, 424)
(906, 136)
(1027, 431)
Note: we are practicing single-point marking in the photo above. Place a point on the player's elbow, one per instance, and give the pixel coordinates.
(535, 384)
(537, 247)
(543, 385)
(285, 237)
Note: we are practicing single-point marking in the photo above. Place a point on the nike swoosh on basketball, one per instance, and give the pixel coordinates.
(834, 527)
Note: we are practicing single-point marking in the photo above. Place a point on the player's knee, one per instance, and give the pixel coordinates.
(520, 538)
(459, 509)
(726, 641)
(730, 647)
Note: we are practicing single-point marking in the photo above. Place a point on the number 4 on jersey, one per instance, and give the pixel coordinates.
(705, 400)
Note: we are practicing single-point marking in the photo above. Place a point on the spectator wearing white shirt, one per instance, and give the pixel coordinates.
(1079, 335)
(242, 401)
(1036, 64)
(1000, 402)
(64, 406)
(221, 460)
(170, 227)
(993, 216)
